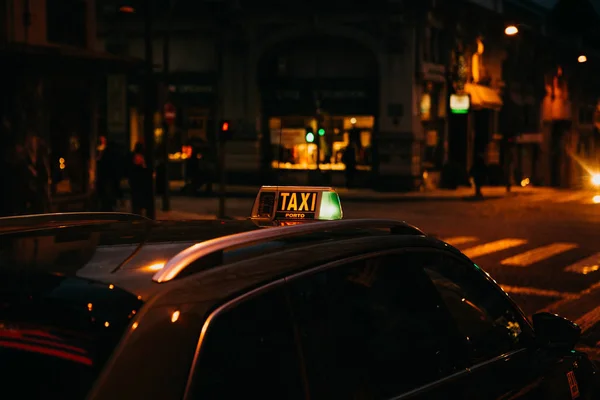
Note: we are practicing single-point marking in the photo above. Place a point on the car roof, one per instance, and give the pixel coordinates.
(127, 251)
(117, 251)
(215, 285)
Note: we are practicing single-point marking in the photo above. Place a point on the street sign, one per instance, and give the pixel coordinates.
(169, 113)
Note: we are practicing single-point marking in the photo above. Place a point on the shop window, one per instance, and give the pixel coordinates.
(67, 142)
(68, 164)
(291, 150)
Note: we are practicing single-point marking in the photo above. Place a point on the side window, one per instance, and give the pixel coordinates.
(371, 329)
(250, 352)
(486, 319)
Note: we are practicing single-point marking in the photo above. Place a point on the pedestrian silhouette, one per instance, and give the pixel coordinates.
(478, 173)
(349, 160)
(140, 181)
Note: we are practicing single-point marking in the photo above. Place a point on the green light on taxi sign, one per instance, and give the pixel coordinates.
(331, 208)
(292, 205)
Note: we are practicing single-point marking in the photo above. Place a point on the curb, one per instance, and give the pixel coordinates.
(374, 199)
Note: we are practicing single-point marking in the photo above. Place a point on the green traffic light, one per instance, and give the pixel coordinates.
(321, 132)
(310, 137)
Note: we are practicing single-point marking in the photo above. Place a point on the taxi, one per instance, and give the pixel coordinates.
(295, 303)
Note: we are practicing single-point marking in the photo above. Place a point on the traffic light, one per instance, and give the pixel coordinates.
(126, 7)
(321, 132)
(310, 136)
(224, 130)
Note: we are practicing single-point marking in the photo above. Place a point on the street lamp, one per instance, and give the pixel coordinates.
(511, 30)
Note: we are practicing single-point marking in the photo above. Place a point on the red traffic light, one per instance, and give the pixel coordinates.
(224, 126)
(127, 9)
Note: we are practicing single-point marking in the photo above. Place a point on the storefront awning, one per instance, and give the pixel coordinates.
(483, 97)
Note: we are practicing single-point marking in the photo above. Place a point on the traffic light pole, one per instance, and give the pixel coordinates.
(318, 140)
(166, 201)
(218, 114)
(149, 106)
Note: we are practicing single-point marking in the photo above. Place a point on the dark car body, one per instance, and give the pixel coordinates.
(351, 313)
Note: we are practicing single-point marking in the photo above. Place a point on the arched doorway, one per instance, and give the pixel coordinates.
(326, 84)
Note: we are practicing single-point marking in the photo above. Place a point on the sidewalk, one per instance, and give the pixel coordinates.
(369, 195)
(240, 199)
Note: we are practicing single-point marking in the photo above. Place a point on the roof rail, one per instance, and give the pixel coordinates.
(22, 222)
(182, 260)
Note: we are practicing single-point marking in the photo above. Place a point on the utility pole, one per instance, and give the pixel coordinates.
(166, 201)
(149, 105)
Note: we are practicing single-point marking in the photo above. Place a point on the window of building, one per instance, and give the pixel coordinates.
(292, 151)
(6, 27)
(531, 118)
(119, 47)
(436, 46)
(427, 45)
(490, 323)
(432, 45)
(250, 352)
(66, 22)
(372, 328)
(586, 115)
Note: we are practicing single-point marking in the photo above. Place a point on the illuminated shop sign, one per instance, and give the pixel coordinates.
(460, 103)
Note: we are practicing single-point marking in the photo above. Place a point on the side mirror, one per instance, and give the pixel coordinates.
(556, 332)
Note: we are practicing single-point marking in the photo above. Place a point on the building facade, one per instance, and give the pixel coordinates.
(532, 91)
(572, 90)
(50, 89)
(353, 74)
(388, 80)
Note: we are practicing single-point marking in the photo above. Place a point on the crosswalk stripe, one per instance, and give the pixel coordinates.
(585, 266)
(531, 291)
(458, 240)
(589, 319)
(538, 254)
(493, 247)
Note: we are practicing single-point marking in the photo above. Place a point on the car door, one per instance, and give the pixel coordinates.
(504, 361)
(372, 328)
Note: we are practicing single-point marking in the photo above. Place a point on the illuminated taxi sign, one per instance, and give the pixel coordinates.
(296, 205)
(291, 205)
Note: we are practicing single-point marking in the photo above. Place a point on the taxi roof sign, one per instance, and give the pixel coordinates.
(292, 205)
